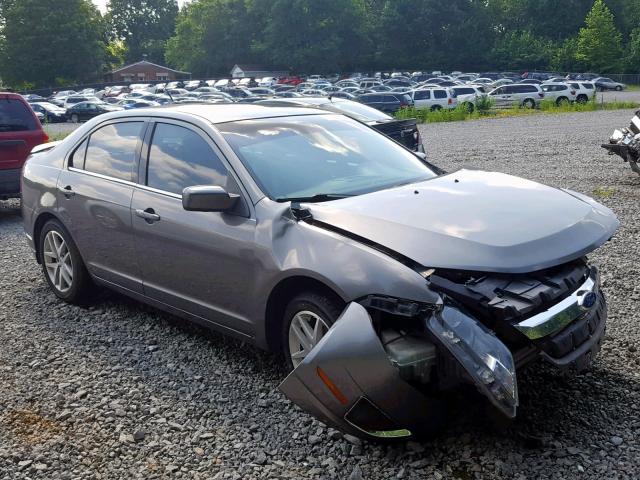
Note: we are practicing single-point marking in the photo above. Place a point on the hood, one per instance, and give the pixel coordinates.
(474, 220)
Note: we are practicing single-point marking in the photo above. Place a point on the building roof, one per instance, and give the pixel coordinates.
(145, 62)
(261, 68)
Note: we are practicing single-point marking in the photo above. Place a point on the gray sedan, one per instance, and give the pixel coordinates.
(383, 281)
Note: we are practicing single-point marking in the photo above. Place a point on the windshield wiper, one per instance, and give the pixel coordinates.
(318, 197)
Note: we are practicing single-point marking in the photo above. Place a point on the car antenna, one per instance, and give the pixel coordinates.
(171, 96)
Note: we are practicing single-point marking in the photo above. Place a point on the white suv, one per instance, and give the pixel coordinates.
(468, 95)
(585, 91)
(559, 92)
(434, 98)
(517, 94)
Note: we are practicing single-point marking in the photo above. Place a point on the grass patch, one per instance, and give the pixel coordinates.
(55, 137)
(484, 110)
(604, 192)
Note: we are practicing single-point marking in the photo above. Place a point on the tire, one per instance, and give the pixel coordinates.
(75, 118)
(309, 307)
(582, 99)
(436, 108)
(529, 103)
(62, 266)
(618, 88)
(470, 107)
(562, 101)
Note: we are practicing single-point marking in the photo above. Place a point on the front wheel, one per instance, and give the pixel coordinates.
(618, 88)
(307, 319)
(62, 264)
(529, 103)
(562, 101)
(75, 118)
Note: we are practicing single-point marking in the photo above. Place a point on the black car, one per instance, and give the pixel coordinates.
(50, 112)
(83, 111)
(402, 131)
(389, 102)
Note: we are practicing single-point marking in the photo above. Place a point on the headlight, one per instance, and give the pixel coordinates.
(485, 358)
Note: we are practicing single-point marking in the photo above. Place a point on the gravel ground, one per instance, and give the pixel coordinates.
(119, 390)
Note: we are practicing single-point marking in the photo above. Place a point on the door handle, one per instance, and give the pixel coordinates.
(149, 215)
(67, 191)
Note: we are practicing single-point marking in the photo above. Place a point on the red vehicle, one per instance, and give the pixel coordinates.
(20, 131)
(290, 80)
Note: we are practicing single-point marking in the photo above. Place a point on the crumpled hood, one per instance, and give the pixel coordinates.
(475, 220)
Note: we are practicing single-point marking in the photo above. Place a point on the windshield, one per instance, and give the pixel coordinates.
(357, 110)
(320, 155)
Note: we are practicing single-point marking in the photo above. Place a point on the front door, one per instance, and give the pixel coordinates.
(198, 262)
(94, 200)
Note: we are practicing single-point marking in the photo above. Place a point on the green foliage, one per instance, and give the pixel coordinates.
(41, 43)
(144, 26)
(522, 50)
(599, 41)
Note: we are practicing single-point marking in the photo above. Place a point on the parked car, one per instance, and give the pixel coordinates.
(73, 99)
(586, 91)
(604, 83)
(387, 102)
(51, 113)
(468, 95)
(83, 111)
(20, 131)
(381, 281)
(518, 94)
(434, 98)
(559, 92)
(405, 132)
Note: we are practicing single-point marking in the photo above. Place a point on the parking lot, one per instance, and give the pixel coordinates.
(120, 390)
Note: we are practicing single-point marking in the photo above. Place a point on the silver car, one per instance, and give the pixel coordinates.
(384, 281)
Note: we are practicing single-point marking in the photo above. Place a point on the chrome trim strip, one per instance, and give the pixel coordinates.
(561, 314)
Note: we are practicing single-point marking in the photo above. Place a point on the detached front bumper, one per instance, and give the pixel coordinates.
(353, 380)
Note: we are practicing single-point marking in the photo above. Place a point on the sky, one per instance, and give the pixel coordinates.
(102, 4)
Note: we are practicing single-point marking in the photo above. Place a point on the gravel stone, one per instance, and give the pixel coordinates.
(223, 393)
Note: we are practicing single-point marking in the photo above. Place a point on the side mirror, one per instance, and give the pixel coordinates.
(421, 155)
(208, 199)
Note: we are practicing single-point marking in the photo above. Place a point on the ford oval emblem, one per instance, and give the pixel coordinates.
(588, 300)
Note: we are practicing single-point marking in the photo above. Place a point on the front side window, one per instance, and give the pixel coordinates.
(180, 158)
(112, 150)
(322, 155)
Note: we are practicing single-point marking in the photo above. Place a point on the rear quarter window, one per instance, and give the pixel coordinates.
(439, 94)
(16, 116)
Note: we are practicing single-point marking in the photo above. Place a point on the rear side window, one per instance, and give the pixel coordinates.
(77, 157)
(15, 116)
(422, 95)
(439, 94)
(464, 91)
(112, 150)
(588, 86)
(180, 158)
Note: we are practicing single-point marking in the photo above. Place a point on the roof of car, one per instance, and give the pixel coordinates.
(228, 112)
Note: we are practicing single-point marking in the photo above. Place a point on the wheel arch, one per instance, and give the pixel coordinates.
(40, 222)
(283, 292)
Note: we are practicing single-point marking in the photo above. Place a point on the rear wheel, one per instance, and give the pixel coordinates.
(307, 319)
(562, 101)
(75, 118)
(62, 264)
(582, 99)
(436, 108)
(529, 103)
(469, 107)
(618, 88)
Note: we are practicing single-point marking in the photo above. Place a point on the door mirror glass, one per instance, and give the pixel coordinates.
(208, 199)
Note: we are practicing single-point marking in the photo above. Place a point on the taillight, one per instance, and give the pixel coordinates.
(541, 94)
(450, 101)
(45, 138)
(404, 105)
(573, 92)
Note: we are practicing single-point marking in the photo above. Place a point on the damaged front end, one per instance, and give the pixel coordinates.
(383, 367)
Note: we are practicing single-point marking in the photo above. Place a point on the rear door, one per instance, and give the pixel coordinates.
(94, 200)
(20, 131)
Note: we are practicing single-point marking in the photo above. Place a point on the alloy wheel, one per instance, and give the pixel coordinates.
(305, 331)
(57, 261)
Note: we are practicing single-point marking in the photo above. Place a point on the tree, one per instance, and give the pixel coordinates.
(144, 26)
(213, 35)
(599, 41)
(47, 46)
(522, 51)
(633, 58)
(313, 36)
